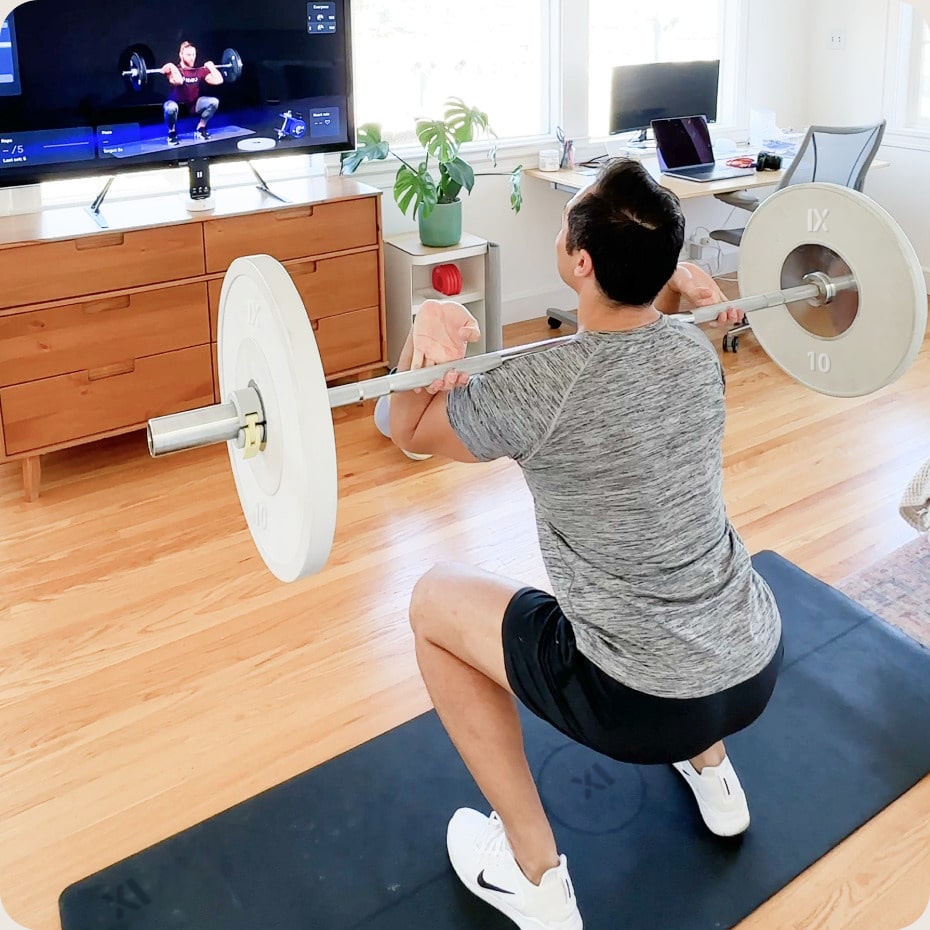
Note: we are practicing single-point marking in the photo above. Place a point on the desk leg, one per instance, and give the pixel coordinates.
(32, 477)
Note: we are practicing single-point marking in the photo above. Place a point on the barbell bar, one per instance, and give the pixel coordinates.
(207, 426)
(841, 307)
(139, 72)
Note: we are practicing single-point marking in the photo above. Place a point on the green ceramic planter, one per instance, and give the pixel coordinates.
(443, 227)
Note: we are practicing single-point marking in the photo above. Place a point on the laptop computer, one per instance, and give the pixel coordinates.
(685, 151)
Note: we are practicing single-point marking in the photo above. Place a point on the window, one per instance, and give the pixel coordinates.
(628, 32)
(410, 57)
(919, 96)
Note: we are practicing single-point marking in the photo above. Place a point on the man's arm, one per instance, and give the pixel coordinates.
(419, 421)
(692, 282)
(173, 73)
(215, 76)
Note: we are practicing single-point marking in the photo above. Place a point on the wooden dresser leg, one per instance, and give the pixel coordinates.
(32, 477)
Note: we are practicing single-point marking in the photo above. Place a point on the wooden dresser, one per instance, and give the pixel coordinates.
(102, 330)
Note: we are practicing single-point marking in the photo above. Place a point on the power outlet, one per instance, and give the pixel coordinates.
(696, 246)
(838, 40)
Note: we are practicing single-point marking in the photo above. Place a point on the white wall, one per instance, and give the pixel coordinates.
(848, 87)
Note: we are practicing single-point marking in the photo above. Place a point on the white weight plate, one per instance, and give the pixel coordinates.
(289, 490)
(256, 144)
(885, 336)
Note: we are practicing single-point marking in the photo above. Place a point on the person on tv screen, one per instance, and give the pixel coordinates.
(186, 80)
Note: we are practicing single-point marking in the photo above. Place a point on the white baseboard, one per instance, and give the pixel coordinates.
(522, 307)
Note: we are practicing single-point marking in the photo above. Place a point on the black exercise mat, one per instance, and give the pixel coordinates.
(359, 842)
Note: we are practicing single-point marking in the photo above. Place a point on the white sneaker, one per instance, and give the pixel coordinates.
(482, 858)
(720, 797)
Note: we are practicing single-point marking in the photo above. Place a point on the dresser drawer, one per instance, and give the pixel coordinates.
(96, 333)
(291, 232)
(351, 340)
(327, 288)
(77, 406)
(95, 264)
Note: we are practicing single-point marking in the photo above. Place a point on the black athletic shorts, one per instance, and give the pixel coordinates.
(557, 683)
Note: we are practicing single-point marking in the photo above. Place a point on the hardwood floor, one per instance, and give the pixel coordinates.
(153, 674)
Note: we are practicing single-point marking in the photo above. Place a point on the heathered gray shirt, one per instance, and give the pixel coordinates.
(619, 436)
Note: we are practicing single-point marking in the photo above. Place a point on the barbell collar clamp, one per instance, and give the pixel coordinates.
(205, 426)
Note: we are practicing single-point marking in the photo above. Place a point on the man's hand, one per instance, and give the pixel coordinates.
(697, 286)
(173, 73)
(441, 333)
(452, 380)
(209, 65)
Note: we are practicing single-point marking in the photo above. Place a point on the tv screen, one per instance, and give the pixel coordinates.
(96, 86)
(664, 90)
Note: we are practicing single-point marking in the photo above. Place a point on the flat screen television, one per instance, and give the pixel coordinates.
(96, 87)
(662, 90)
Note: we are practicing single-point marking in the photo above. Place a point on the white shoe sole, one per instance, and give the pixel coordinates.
(719, 823)
(523, 921)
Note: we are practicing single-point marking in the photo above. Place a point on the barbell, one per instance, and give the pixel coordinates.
(842, 308)
(139, 71)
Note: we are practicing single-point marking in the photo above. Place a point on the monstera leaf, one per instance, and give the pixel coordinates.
(416, 188)
(465, 121)
(370, 147)
(516, 189)
(438, 139)
(456, 174)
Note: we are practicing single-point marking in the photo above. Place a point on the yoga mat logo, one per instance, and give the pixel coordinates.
(589, 794)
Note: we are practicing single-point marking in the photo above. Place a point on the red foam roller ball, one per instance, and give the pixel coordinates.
(447, 279)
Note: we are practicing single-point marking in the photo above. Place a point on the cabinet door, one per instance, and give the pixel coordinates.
(99, 263)
(328, 287)
(85, 404)
(351, 340)
(292, 232)
(97, 333)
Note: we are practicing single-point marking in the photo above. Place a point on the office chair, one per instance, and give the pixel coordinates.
(835, 154)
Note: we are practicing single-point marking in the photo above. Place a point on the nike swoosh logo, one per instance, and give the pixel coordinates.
(490, 887)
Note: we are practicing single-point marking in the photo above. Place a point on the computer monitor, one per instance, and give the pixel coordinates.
(93, 86)
(643, 93)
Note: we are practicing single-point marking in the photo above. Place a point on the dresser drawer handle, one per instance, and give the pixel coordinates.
(99, 242)
(111, 371)
(315, 324)
(300, 214)
(304, 268)
(109, 303)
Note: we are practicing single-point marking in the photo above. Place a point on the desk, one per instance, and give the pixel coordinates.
(573, 181)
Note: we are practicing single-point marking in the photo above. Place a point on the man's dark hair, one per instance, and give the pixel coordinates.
(633, 229)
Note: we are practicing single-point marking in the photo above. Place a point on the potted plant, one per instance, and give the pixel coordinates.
(434, 200)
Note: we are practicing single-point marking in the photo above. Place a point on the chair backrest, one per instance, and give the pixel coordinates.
(836, 154)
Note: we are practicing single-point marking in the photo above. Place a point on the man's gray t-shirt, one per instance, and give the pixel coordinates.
(619, 436)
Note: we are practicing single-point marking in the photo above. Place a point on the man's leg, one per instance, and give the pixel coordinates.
(170, 110)
(710, 758)
(205, 109)
(456, 613)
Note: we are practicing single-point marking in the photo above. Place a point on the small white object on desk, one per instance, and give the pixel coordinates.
(549, 159)
(199, 206)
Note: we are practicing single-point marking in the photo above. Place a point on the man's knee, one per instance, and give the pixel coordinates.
(171, 108)
(426, 597)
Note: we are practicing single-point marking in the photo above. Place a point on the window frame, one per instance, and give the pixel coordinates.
(902, 73)
(919, 56)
